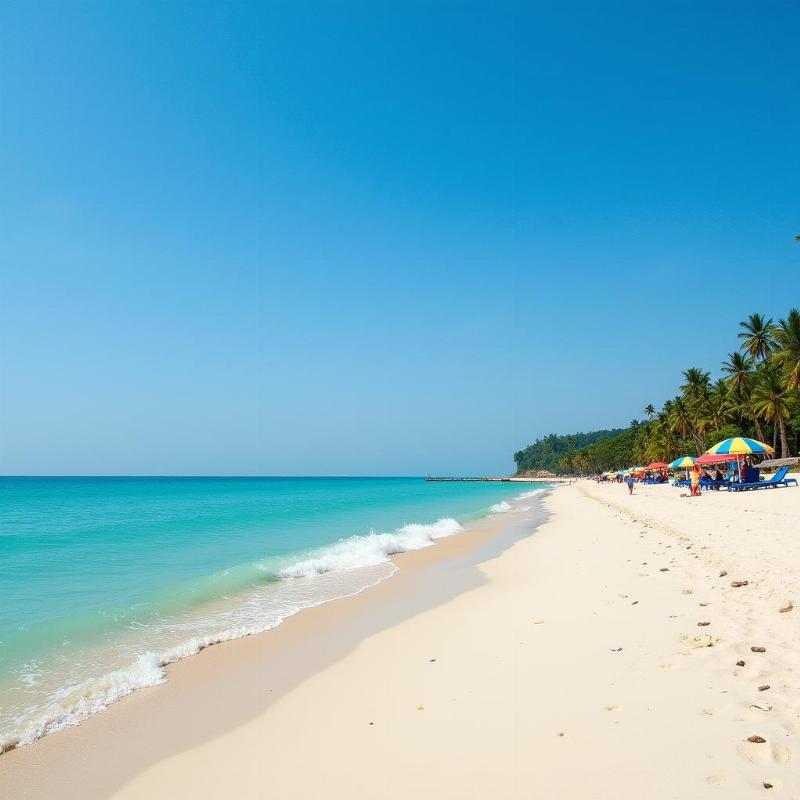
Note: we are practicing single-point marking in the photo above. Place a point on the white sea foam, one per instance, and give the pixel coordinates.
(72, 704)
(499, 508)
(376, 548)
(532, 493)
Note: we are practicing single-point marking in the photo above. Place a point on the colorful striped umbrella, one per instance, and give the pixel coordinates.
(739, 446)
(683, 461)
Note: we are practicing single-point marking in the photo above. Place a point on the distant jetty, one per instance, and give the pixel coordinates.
(504, 479)
(485, 479)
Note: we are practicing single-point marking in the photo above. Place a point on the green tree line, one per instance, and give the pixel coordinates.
(756, 395)
(555, 452)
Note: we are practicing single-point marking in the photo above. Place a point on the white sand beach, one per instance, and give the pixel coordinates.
(596, 658)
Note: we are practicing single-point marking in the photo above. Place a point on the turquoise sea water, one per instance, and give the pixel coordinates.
(103, 581)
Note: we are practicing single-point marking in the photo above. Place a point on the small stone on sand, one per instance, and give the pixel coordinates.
(756, 739)
(757, 649)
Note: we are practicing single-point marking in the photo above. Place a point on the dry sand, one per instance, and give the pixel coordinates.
(566, 666)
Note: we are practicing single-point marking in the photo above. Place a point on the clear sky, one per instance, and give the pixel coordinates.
(378, 238)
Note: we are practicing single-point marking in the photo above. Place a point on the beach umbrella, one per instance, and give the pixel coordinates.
(739, 446)
(683, 461)
(657, 465)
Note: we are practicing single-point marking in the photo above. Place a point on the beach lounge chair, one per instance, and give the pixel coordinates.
(706, 484)
(778, 479)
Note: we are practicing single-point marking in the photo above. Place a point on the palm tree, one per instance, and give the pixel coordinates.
(696, 385)
(739, 369)
(740, 377)
(771, 401)
(787, 350)
(719, 406)
(649, 410)
(696, 392)
(756, 336)
(680, 420)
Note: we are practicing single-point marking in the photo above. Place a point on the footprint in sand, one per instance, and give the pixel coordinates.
(764, 752)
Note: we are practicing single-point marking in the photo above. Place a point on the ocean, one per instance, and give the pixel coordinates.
(104, 581)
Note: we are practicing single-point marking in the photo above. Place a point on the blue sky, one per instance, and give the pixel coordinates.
(346, 238)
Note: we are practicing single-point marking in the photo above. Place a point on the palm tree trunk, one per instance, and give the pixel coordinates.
(775, 433)
(759, 432)
(784, 440)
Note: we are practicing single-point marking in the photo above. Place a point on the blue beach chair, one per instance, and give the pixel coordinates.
(778, 479)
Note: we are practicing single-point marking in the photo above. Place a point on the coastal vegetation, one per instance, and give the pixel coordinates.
(555, 453)
(756, 394)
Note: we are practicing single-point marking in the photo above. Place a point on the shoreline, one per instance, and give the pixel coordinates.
(301, 645)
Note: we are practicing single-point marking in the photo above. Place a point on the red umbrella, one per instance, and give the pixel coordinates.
(657, 465)
(710, 458)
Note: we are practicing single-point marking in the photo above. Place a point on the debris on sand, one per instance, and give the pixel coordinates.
(740, 663)
(757, 739)
(758, 649)
(763, 688)
(787, 608)
(696, 642)
(737, 584)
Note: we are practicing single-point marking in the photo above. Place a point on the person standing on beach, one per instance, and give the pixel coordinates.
(629, 481)
(695, 480)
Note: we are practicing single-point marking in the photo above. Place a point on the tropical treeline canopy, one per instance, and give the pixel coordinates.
(756, 395)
